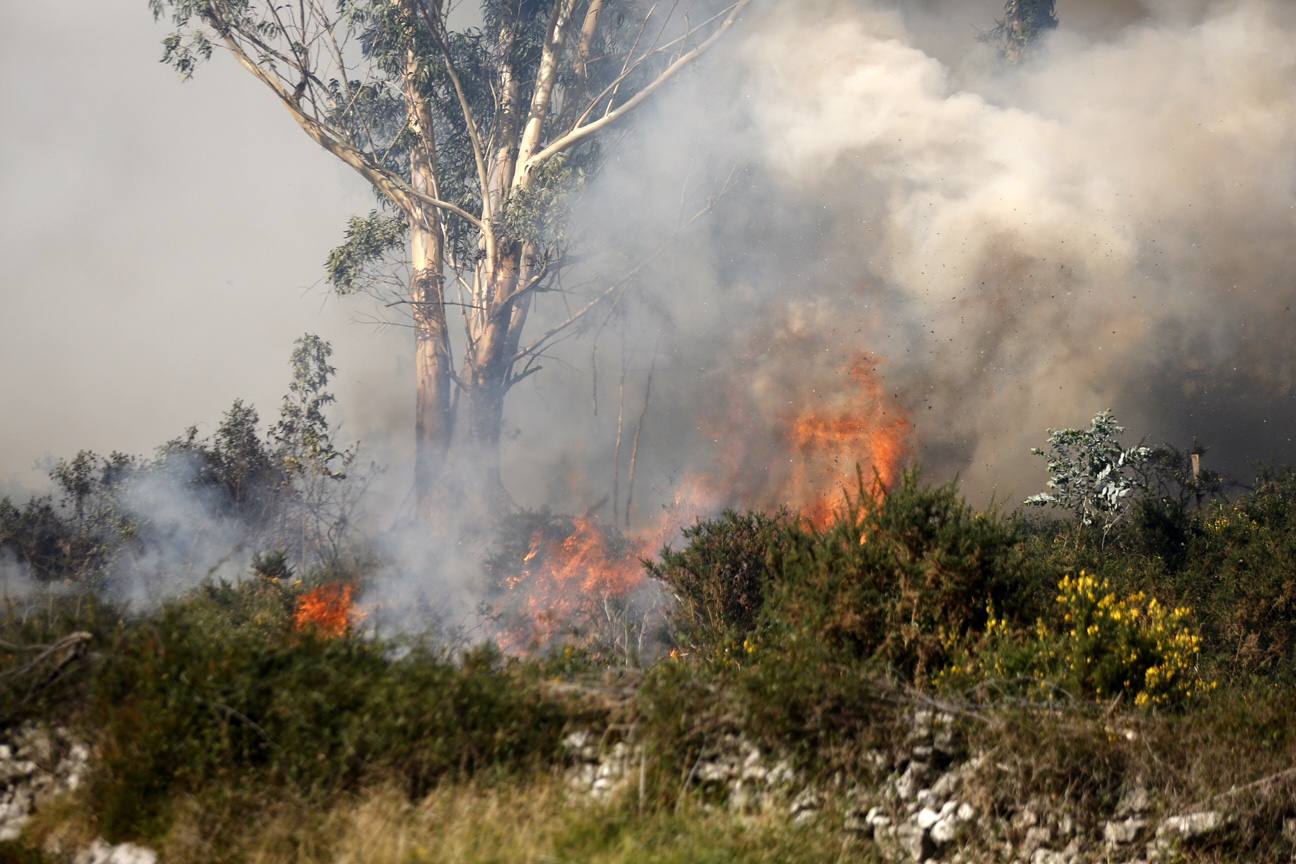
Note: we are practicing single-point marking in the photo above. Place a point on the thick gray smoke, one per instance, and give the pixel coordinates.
(1109, 225)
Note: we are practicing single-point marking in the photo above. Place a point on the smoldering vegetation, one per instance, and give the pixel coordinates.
(249, 497)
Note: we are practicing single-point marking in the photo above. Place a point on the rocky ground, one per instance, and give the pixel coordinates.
(930, 804)
(929, 808)
(39, 763)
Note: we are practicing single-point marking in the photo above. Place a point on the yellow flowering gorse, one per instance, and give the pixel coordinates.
(1106, 646)
(1133, 645)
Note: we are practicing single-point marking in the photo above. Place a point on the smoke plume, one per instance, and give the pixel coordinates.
(897, 232)
(1106, 225)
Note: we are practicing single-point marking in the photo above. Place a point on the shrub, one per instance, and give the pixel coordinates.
(1241, 576)
(1100, 646)
(217, 689)
(1164, 529)
(1134, 646)
(902, 580)
(721, 576)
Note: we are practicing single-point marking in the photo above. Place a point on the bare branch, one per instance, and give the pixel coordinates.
(580, 133)
(396, 189)
(602, 297)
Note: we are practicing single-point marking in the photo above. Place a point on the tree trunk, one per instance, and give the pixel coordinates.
(486, 371)
(434, 419)
(434, 413)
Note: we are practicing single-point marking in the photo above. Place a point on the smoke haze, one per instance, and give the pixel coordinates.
(1109, 225)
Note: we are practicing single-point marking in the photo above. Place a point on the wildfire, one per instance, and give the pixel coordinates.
(564, 576)
(869, 434)
(327, 610)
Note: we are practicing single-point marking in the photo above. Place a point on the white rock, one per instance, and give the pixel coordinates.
(1048, 856)
(1121, 833)
(966, 812)
(913, 841)
(907, 784)
(1133, 802)
(1191, 825)
(807, 800)
(926, 818)
(781, 774)
(805, 817)
(1036, 838)
(946, 785)
(712, 772)
(11, 826)
(945, 830)
(100, 852)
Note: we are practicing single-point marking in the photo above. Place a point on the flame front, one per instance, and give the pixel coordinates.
(563, 578)
(328, 610)
(870, 434)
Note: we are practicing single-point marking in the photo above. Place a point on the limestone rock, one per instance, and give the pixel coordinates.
(1191, 825)
(100, 852)
(1124, 832)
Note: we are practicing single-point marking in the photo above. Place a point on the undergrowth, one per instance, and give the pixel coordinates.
(1159, 655)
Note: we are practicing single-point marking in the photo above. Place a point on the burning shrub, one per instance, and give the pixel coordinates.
(720, 577)
(902, 580)
(327, 611)
(557, 580)
(209, 690)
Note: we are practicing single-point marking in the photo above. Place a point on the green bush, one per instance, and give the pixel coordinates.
(891, 590)
(1097, 644)
(217, 690)
(902, 581)
(721, 576)
(42, 654)
(1241, 576)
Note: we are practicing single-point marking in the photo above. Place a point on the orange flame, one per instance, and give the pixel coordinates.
(870, 434)
(864, 429)
(327, 610)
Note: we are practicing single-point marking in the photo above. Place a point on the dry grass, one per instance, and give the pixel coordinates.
(532, 822)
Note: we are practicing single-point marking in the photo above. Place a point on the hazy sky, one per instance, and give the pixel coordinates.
(162, 240)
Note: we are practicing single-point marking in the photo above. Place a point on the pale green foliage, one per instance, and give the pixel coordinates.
(315, 511)
(1091, 473)
(367, 241)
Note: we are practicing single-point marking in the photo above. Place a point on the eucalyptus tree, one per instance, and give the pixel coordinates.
(1022, 25)
(470, 137)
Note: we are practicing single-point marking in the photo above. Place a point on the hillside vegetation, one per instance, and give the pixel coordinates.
(1159, 653)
